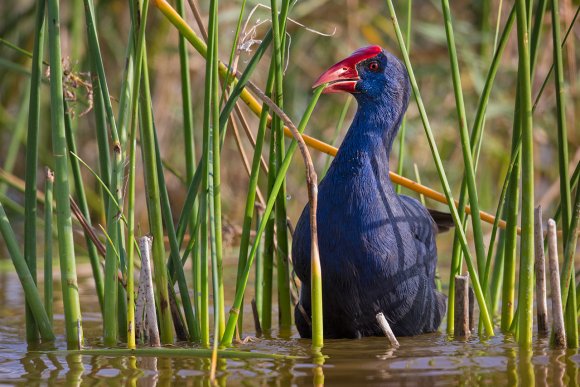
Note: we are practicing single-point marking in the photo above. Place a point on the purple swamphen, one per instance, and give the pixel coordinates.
(377, 248)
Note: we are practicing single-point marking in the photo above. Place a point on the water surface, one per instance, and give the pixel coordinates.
(430, 360)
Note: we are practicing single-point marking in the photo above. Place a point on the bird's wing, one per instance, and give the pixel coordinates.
(443, 220)
(420, 220)
(424, 229)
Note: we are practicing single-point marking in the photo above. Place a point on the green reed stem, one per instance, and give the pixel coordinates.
(565, 196)
(28, 285)
(465, 142)
(84, 207)
(568, 278)
(215, 193)
(266, 289)
(152, 184)
(127, 89)
(70, 291)
(475, 140)
(442, 176)
(234, 49)
(242, 282)
(100, 68)
(103, 146)
(131, 343)
(76, 22)
(17, 136)
(497, 273)
(573, 183)
(188, 135)
(418, 180)
(536, 33)
(178, 271)
(403, 129)
(242, 81)
(205, 197)
(269, 244)
(30, 208)
(501, 208)
(545, 82)
(571, 322)
(48, 285)
(111, 289)
(135, 62)
(203, 205)
(526, 285)
(259, 276)
(512, 208)
(282, 252)
(568, 266)
(509, 255)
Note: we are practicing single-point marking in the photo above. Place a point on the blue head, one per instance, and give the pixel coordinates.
(378, 81)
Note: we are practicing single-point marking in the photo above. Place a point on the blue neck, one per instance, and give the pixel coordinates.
(373, 130)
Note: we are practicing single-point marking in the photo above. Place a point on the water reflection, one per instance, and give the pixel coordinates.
(318, 371)
(572, 370)
(425, 360)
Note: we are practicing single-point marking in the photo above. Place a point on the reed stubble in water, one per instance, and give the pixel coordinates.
(146, 297)
(461, 321)
(540, 269)
(558, 331)
(386, 328)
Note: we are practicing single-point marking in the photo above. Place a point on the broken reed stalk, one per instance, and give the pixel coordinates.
(471, 296)
(558, 331)
(181, 332)
(146, 283)
(461, 321)
(540, 270)
(256, 314)
(386, 328)
(140, 309)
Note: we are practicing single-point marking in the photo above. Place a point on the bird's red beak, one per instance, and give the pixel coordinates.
(343, 76)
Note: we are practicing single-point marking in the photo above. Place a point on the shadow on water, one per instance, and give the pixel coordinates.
(430, 359)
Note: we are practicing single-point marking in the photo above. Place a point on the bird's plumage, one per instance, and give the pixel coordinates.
(377, 248)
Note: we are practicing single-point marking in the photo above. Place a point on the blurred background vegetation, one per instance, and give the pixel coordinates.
(321, 32)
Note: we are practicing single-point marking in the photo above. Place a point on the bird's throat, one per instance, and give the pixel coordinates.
(372, 134)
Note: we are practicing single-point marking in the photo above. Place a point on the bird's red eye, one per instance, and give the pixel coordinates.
(374, 66)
